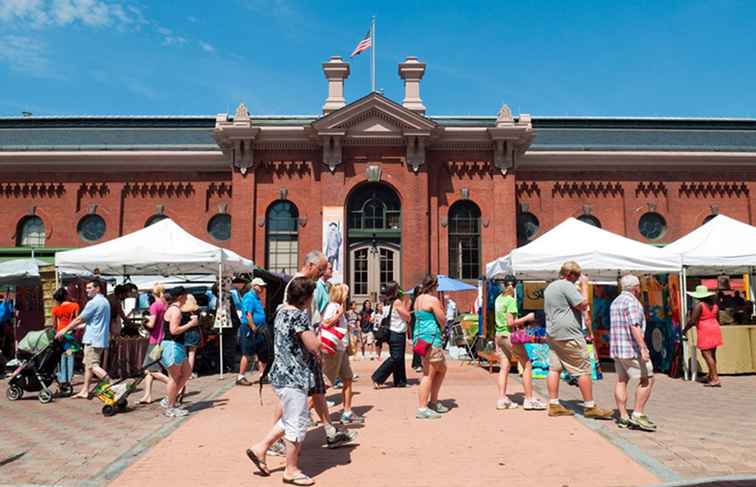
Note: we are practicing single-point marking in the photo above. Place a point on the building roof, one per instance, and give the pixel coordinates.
(195, 133)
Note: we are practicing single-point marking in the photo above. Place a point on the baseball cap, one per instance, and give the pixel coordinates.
(258, 282)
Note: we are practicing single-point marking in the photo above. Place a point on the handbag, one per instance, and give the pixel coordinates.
(156, 353)
(382, 333)
(520, 337)
(422, 347)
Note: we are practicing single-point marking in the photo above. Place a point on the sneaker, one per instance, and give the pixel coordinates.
(164, 403)
(351, 418)
(533, 405)
(194, 375)
(277, 449)
(597, 413)
(175, 412)
(341, 438)
(338, 385)
(438, 407)
(559, 410)
(418, 369)
(625, 423)
(330, 404)
(644, 423)
(502, 404)
(243, 382)
(427, 414)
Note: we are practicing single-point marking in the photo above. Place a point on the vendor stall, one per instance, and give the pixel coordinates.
(162, 249)
(603, 256)
(722, 246)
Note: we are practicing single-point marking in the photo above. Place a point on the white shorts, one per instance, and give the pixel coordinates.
(296, 416)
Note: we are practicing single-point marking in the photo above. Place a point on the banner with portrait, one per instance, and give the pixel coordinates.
(333, 240)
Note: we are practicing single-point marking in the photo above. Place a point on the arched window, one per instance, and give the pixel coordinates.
(30, 232)
(590, 220)
(652, 225)
(282, 237)
(464, 240)
(375, 206)
(154, 219)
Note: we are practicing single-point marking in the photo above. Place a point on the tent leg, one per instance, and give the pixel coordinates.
(220, 303)
(683, 322)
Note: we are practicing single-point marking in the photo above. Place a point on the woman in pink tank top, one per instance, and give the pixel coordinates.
(705, 317)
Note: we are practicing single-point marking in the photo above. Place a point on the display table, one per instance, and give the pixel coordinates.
(738, 353)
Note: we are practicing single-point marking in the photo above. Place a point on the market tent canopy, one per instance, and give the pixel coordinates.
(163, 248)
(722, 245)
(20, 271)
(447, 284)
(601, 254)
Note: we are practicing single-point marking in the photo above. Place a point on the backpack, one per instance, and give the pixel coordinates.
(383, 332)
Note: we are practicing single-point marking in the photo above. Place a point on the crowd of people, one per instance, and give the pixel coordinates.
(318, 328)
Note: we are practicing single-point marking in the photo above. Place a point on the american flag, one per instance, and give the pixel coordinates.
(363, 45)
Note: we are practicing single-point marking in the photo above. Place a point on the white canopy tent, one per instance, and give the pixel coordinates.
(19, 271)
(723, 245)
(162, 249)
(603, 255)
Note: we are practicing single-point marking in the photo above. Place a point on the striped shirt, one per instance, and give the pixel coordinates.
(626, 312)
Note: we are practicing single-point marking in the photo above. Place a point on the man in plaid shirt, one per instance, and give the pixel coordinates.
(631, 357)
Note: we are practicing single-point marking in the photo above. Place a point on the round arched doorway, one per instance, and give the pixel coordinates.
(374, 233)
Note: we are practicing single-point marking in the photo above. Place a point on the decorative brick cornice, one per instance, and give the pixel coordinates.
(32, 190)
(93, 189)
(220, 190)
(527, 188)
(714, 189)
(587, 188)
(159, 189)
(651, 188)
(468, 168)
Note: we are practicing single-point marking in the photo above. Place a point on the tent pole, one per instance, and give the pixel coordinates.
(684, 322)
(751, 275)
(217, 310)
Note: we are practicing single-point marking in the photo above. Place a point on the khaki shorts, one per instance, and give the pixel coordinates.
(92, 356)
(571, 355)
(505, 347)
(435, 355)
(632, 368)
(337, 366)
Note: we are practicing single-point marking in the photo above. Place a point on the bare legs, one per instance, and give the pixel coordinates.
(149, 379)
(710, 356)
(642, 394)
(430, 383)
(177, 377)
(98, 371)
(584, 383)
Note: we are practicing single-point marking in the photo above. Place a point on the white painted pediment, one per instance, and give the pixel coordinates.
(375, 126)
(376, 115)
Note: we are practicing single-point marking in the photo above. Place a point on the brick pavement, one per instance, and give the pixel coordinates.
(45, 444)
(474, 443)
(703, 432)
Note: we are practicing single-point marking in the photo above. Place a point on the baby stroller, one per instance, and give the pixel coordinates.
(115, 395)
(40, 354)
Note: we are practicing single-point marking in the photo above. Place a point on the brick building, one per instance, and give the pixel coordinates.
(393, 193)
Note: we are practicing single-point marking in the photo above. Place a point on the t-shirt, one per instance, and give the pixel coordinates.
(314, 311)
(96, 315)
(562, 318)
(65, 313)
(251, 304)
(321, 296)
(290, 363)
(366, 325)
(341, 325)
(157, 309)
(504, 305)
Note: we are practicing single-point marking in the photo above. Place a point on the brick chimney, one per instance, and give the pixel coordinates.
(412, 71)
(336, 71)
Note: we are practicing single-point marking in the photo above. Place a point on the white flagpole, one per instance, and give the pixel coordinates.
(372, 55)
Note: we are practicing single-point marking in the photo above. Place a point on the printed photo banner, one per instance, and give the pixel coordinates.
(333, 240)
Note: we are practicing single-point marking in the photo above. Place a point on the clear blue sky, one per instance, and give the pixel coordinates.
(654, 58)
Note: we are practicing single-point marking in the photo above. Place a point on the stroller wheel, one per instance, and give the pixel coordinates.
(122, 404)
(108, 411)
(45, 396)
(14, 393)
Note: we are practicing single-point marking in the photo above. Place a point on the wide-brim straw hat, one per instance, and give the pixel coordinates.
(701, 292)
(190, 305)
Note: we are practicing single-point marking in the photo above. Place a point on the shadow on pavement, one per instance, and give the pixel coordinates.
(317, 463)
(12, 459)
(200, 405)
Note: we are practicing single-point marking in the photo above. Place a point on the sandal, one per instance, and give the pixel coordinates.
(709, 384)
(301, 479)
(262, 467)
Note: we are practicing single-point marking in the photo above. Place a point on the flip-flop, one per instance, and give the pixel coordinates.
(262, 467)
(299, 480)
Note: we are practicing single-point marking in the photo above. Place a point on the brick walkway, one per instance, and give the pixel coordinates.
(474, 443)
(69, 441)
(703, 432)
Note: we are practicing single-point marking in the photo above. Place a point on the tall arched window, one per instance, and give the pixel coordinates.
(282, 237)
(464, 240)
(30, 232)
(375, 207)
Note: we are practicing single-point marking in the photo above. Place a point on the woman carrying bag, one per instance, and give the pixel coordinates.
(399, 316)
(428, 329)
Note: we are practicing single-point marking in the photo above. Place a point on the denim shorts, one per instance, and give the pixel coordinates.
(246, 341)
(173, 353)
(192, 338)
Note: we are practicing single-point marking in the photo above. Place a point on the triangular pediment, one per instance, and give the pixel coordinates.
(374, 114)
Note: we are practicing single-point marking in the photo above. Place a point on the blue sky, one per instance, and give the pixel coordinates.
(670, 58)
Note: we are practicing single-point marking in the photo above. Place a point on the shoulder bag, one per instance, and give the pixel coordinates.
(383, 332)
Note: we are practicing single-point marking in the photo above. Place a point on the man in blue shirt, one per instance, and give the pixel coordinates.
(95, 319)
(255, 314)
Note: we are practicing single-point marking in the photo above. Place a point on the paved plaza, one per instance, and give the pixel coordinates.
(702, 433)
